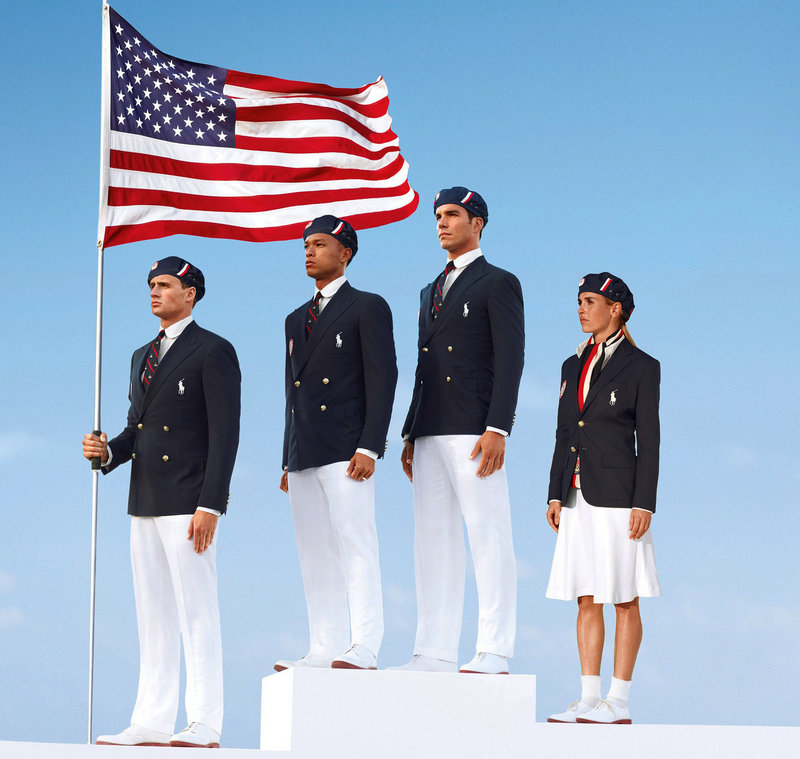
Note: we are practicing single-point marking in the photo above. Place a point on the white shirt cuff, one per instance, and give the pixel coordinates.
(371, 454)
(494, 429)
(210, 511)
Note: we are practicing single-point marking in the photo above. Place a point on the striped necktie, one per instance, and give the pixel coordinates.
(151, 364)
(438, 292)
(312, 313)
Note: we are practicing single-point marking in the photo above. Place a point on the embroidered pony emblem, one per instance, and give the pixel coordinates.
(613, 399)
(338, 339)
(181, 388)
(466, 309)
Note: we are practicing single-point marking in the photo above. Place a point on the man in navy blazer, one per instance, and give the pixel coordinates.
(181, 439)
(469, 365)
(341, 374)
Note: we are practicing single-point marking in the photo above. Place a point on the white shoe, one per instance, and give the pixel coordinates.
(574, 710)
(486, 664)
(309, 660)
(135, 735)
(422, 663)
(196, 735)
(356, 657)
(608, 713)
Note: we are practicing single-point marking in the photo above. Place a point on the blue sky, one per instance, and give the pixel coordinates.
(654, 140)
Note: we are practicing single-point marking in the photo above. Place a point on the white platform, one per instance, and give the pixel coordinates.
(387, 714)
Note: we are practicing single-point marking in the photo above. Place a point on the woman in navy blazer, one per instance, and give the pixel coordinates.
(602, 492)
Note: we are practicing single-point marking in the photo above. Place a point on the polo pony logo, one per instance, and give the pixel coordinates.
(466, 309)
(613, 399)
(338, 339)
(181, 388)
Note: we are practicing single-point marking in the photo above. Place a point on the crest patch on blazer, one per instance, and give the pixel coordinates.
(563, 388)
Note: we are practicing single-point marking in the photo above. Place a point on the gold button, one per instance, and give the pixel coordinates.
(297, 383)
(166, 429)
(325, 381)
(424, 350)
(165, 457)
(139, 426)
(448, 379)
(581, 423)
(573, 449)
(133, 455)
(449, 348)
(323, 408)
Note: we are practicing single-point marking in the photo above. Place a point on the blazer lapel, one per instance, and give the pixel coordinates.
(471, 274)
(184, 346)
(617, 362)
(338, 304)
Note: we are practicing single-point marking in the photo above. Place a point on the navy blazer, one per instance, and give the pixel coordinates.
(470, 357)
(340, 382)
(617, 434)
(183, 432)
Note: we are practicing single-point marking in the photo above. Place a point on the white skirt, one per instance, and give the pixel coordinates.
(595, 557)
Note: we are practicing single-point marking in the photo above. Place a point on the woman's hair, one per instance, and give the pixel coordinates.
(624, 319)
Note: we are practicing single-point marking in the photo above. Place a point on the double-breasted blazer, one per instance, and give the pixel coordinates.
(617, 434)
(340, 382)
(470, 357)
(182, 433)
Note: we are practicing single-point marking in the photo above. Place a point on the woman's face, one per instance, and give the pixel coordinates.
(597, 315)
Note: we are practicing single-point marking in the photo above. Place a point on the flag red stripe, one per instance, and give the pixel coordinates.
(289, 86)
(121, 196)
(120, 159)
(369, 110)
(156, 229)
(306, 112)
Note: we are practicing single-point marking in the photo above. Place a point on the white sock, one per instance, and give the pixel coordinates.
(619, 691)
(590, 689)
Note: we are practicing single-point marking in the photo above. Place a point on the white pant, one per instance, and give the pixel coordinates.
(446, 489)
(334, 524)
(176, 596)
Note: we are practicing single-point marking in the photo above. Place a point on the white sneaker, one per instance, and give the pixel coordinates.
(574, 710)
(356, 657)
(309, 660)
(608, 713)
(135, 735)
(422, 663)
(196, 735)
(486, 664)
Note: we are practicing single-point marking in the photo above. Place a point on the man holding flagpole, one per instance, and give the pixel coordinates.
(181, 437)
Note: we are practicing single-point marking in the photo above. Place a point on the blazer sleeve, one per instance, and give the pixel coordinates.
(648, 437)
(222, 382)
(555, 490)
(122, 445)
(507, 324)
(288, 409)
(380, 373)
(412, 408)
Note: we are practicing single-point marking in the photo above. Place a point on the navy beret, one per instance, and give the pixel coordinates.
(465, 198)
(611, 287)
(190, 275)
(339, 229)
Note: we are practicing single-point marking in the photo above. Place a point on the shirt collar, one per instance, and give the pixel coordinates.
(465, 259)
(174, 330)
(609, 341)
(332, 287)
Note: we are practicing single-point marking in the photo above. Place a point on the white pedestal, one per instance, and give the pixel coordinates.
(338, 712)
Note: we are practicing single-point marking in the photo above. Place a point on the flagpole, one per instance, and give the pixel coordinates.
(98, 344)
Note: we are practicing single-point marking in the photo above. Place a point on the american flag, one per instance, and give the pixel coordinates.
(199, 150)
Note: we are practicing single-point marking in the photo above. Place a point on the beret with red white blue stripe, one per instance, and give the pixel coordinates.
(190, 275)
(339, 229)
(611, 287)
(465, 198)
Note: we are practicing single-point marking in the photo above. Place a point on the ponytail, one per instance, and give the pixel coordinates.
(627, 334)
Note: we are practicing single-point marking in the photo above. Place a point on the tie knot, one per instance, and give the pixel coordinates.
(450, 266)
(318, 297)
(162, 334)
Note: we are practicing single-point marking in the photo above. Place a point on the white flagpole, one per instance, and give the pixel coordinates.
(98, 345)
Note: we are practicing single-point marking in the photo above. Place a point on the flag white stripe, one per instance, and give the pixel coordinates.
(137, 143)
(118, 215)
(377, 123)
(145, 180)
(300, 129)
(372, 94)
